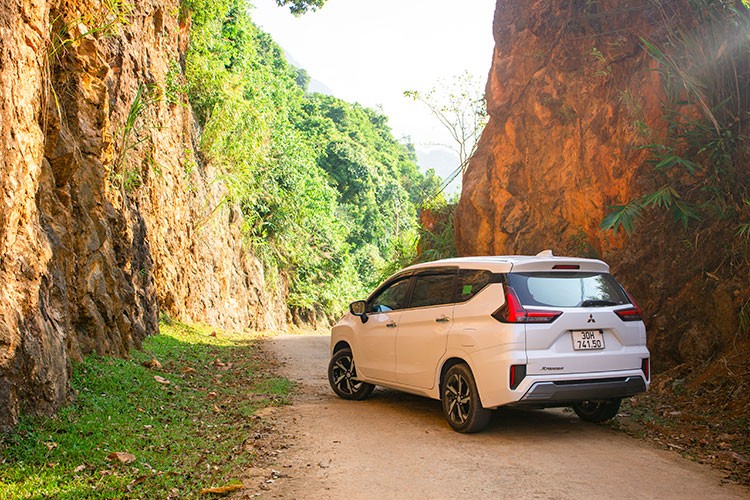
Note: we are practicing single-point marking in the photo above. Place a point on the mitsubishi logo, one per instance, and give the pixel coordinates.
(591, 319)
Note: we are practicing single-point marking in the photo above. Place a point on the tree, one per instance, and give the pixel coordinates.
(303, 79)
(299, 7)
(459, 105)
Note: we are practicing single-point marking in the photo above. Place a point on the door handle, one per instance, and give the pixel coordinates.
(442, 319)
(392, 324)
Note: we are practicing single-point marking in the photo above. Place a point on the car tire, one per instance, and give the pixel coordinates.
(342, 375)
(597, 411)
(461, 404)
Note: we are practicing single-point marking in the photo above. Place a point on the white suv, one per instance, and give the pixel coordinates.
(483, 332)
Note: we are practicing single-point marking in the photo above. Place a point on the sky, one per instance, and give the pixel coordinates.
(371, 51)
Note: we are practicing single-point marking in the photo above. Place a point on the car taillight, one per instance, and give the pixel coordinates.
(646, 368)
(631, 313)
(513, 312)
(517, 374)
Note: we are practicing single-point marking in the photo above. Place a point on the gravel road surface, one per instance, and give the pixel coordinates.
(395, 446)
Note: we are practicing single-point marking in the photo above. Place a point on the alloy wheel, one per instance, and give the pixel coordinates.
(459, 398)
(344, 375)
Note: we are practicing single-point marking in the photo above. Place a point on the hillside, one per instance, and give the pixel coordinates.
(163, 158)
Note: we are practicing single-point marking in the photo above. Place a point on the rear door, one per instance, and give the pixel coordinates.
(423, 329)
(588, 336)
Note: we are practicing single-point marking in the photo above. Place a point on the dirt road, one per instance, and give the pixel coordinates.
(395, 445)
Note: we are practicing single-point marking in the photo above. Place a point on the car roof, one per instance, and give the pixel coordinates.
(543, 261)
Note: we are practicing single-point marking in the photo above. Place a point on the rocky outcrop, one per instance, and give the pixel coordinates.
(571, 96)
(568, 82)
(108, 214)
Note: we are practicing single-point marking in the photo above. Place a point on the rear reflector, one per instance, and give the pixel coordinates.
(513, 312)
(566, 266)
(517, 374)
(646, 368)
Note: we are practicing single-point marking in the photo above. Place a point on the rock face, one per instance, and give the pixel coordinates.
(571, 95)
(107, 216)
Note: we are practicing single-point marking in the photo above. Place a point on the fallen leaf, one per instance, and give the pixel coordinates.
(80, 468)
(222, 490)
(51, 445)
(212, 394)
(153, 364)
(121, 456)
(136, 481)
(161, 380)
(187, 370)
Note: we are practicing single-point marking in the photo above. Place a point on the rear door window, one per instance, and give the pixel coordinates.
(433, 290)
(567, 289)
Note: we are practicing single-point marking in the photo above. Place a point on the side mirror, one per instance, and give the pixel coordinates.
(359, 308)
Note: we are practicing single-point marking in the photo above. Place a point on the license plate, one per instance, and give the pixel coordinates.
(587, 340)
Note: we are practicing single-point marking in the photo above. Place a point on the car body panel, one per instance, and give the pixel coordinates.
(549, 347)
(421, 341)
(375, 346)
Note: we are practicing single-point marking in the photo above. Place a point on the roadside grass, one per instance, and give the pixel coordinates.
(141, 429)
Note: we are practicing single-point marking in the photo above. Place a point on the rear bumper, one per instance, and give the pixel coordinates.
(564, 392)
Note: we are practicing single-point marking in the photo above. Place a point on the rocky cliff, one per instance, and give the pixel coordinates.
(108, 214)
(572, 96)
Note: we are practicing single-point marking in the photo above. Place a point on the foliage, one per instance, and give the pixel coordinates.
(131, 135)
(298, 7)
(103, 21)
(184, 435)
(436, 240)
(327, 194)
(460, 107)
(705, 70)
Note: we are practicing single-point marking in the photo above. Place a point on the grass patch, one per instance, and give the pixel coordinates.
(184, 420)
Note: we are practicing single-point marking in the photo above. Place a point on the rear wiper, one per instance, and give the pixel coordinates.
(598, 303)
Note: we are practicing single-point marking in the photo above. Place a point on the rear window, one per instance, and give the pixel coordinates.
(567, 289)
(471, 282)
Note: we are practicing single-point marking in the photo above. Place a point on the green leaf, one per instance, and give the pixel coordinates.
(622, 216)
(684, 212)
(663, 198)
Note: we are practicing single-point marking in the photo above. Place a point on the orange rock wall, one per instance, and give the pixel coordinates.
(565, 91)
(571, 95)
(87, 261)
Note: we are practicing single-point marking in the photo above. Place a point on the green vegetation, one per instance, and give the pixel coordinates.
(327, 194)
(699, 168)
(298, 7)
(130, 136)
(184, 420)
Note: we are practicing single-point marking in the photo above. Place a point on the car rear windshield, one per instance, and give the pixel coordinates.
(567, 289)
